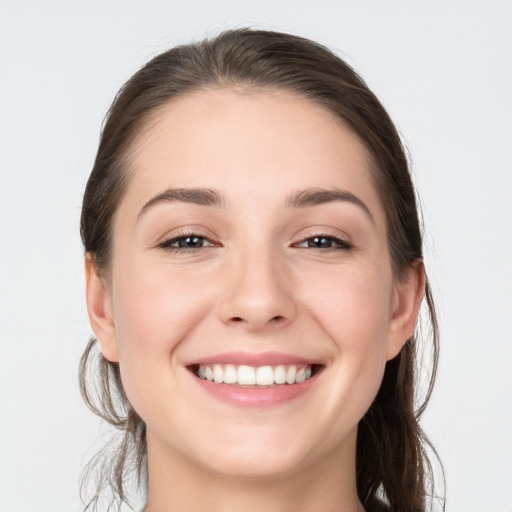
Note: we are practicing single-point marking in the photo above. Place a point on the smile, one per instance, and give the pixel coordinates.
(244, 375)
(243, 379)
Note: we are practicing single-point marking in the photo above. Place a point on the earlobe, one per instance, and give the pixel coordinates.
(99, 307)
(408, 294)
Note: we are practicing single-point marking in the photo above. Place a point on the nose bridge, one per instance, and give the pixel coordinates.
(257, 290)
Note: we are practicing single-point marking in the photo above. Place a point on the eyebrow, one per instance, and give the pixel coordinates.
(301, 199)
(199, 196)
(316, 196)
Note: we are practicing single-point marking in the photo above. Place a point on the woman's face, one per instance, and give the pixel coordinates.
(250, 246)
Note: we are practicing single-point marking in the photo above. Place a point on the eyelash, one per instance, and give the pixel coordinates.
(337, 243)
(167, 244)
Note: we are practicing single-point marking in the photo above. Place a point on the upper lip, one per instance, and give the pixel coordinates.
(254, 359)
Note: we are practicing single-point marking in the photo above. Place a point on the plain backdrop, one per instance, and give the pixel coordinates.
(443, 69)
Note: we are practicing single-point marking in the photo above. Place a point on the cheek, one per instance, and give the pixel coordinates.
(156, 305)
(155, 309)
(353, 306)
(353, 309)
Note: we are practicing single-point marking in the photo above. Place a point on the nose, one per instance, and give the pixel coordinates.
(257, 292)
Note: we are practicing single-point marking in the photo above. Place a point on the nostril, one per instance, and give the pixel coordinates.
(255, 322)
(277, 318)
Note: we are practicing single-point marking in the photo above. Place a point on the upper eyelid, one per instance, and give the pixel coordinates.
(326, 234)
(187, 235)
(186, 231)
(336, 239)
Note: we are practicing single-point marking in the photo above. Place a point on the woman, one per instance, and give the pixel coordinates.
(254, 274)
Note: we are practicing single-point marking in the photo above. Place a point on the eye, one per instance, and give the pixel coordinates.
(325, 242)
(189, 241)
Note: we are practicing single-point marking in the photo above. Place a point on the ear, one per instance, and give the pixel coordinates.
(407, 297)
(99, 307)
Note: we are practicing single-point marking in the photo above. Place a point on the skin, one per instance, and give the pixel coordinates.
(255, 286)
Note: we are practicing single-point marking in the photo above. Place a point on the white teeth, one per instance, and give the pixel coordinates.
(246, 375)
(280, 375)
(265, 376)
(218, 374)
(291, 374)
(249, 376)
(230, 374)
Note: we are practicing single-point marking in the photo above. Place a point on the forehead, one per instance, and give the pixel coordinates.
(250, 143)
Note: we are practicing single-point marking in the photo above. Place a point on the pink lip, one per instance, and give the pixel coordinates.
(254, 359)
(254, 397)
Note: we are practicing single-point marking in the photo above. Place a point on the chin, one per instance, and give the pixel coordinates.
(258, 468)
(261, 455)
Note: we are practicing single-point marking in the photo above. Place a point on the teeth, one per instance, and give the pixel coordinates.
(246, 375)
(291, 374)
(249, 376)
(265, 376)
(230, 374)
(218, 374)
(280, 375)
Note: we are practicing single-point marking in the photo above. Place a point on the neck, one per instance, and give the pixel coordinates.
(177, 484)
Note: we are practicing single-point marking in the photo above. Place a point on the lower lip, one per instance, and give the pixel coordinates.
(256, 397)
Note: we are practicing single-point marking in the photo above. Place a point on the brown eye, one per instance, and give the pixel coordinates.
(186, 242)
(320, 242)
(325, 242)
(190, 242)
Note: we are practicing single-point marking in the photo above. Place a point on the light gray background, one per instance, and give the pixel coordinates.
(442, 68)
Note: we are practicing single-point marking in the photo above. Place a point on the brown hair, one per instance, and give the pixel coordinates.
(393, 468)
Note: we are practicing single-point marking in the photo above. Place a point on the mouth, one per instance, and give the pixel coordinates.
(244, 379)
(256, 377)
